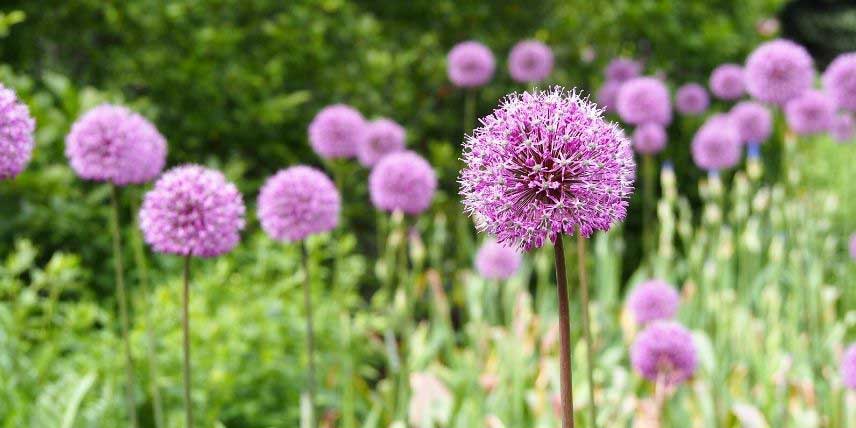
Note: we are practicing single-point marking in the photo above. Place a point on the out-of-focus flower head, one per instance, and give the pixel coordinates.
(16, 134)
(753, 121)
(649, 139)
(530, 61)
(622, 69)
(644, 100)
(497, 261)
(848, 367)
(726, 82)
(336, 132)
(716, 145)
(607, 95)
(402, 181)
(382, 137)
(842, 128)
(839, 81)
(778, 70)
(297, 202)
(691, 99)
(811, 112)
(653, 300)
(470, 64)
(664, 352)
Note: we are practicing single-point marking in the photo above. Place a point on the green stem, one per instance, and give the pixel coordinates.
(469, 110)
(584, 294)
(648, 207)
(565, 376)
(185, 327)
(406, 321)
(310, 332)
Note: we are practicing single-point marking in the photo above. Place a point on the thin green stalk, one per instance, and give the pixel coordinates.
(469, 110)
(565, 376)
(584, 294)
(310, 332)
(406, 322)
(648, 207)
(123, 305)
(185, 327)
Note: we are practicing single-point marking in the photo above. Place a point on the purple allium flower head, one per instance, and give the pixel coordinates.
(607, 95)
(497, 261)
(530, 61)
(839, 81)
(811, 112)
(114, 144)
(716, 145)
(726, 82)
(297, 202)
(778, 70)
(664, 350)
(544, 164)
(653, 300)
(402, 181)
(649, 139)
(470, 64)
(853, 246)
(192, 211)
(622, 69)
(382, 137)
(842, 128)
(691, 99)
(753, 121)
(848, 367)
(16, 134)
(336, 131)
(644, 100)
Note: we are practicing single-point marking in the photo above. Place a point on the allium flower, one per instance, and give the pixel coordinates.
(644, 100)
(753, 121)
(544, 164)
(664, 350)
(16, 134)
(336, 132)
(848, 367)
(607, 95)
(653, 300)
(382, 137)
(530, 61)
(497, 261)
(192, 211)
(810, 113)
(778, 70)
(691, 99)
(622, 69)
(114, 144)
(402, 181)
(726, 82)
(853, 246)
(470, 64)
(649, 139)
(716, 145)
(842, 128)
(839, 81)
(297, 202)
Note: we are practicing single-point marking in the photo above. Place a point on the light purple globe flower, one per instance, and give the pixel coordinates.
(16, 134)
(544, 164)
(297, 202)
(607, 95)
(811, 112)
(114, 144)
(470, 64)
(716, 145)
(382, 137)
(848, 367)
(622, 69)
(853, 246)
(691, 99)
(842, 128)
(497, 261)
(753, 121)
(664, 351)
(192, 211)
(839, 81)
(644, 100)
(530, 61)
(336, 132)
(649, 139)
(726, 82)
(778, 70)
(402, 181)
(653, 300)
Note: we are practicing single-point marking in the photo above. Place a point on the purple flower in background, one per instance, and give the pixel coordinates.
(470, 64)
(530, 61)
(664, 351)
(16, 134)
(853, 246)
(336, 132)
(497, 261)
(382, 137)
(543, 164)
(607, 95)
(622, 69)
(649, 139)
(726, 82)
(114, 144)
(402, 181)
(839, 81)
(644, 100)
(297, 202)
(653, 300)
(691, 99)
(778, 70)
(810, 113)
(716, 145)
(192, 211)
(848, 367)
(753, 121)
(842, 128)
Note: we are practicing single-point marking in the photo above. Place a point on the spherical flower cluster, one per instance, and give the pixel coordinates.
(16, 134)
(644, 100)
(530, 61)
(607, 95)
(691, 99)
(665, 352)
(753, 121)
(810, 113)
(470, 64)
(778, 70)
(842, 128)
(336, 132)
(497, 261)
(726, 82)
(622, 70)
(848, 367)
(839, 81)
(716, 145)
(297, 202)
(382, 137)
(544, 164)
(649, 139)
(653, 300)
(192, 211)
(402, 181)
(114, 144)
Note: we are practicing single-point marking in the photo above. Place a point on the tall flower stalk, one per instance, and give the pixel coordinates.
(310, 333)
(565, 352)
(185, 344)
(584, 295)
